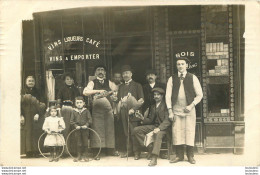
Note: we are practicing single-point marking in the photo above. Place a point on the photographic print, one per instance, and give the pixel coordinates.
(132, 85)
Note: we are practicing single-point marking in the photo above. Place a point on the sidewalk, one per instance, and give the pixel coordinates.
(226, 159)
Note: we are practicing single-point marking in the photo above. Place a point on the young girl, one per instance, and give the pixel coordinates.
(53, 125)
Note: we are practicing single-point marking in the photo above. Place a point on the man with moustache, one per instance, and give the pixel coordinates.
(102, 112)
(151, 77)
(183, 93)
(130, 96)
(157, 122)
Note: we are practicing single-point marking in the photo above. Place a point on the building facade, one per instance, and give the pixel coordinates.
(76, 40)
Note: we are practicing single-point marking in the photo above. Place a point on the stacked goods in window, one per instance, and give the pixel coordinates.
(218, 52)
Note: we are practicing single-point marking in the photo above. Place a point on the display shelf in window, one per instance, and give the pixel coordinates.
(217, 59)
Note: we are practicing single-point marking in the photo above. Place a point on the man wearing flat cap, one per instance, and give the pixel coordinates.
(157, 122)
(130, 96)
(183, 93)
(102, 112)
(151, 77)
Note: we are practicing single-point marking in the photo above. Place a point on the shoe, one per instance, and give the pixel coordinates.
(78, 158)
(137, 156)
(124, 155)
(97, 158)
(191, 160)
(56, 159)
(116, 153)
(153, 162)
(177, 159)
(164, 156)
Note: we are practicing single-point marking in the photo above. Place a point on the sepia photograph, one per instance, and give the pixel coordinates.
(132, 86)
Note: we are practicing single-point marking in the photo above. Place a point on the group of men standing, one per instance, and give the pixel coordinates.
(124, 112)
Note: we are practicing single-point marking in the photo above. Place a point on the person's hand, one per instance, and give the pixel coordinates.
(113, 98)
(188, 108)
(131, 111)
(156, 130)
(78, 127)
(58, 109)
(171, 115)
(124, 99)
(22, 120)
(84, 127)
(36, 117)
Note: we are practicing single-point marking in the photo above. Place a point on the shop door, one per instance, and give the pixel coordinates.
(189, 46)
(134, 51)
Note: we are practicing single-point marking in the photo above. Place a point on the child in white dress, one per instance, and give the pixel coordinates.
(53, 125)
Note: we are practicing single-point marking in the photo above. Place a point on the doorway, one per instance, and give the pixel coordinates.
(132, 50)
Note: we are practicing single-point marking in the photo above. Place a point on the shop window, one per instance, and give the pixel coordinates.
(134, 51)
(130, 20)
(52, 42)
(184, 18)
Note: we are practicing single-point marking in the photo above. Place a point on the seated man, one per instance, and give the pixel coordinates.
(158, 122)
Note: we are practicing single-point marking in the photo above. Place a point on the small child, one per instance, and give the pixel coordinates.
(53, 125)
(81, 119)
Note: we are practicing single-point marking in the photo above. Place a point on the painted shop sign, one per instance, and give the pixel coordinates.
(187, 54)
(54, 53)
(187, 47)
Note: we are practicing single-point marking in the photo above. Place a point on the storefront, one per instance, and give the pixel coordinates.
(75, 40)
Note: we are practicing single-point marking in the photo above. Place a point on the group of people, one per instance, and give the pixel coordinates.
(123, 113)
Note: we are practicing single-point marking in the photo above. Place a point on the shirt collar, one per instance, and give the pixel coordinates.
(127, 82)
(100, 79)
(184, 74)
(152, 85)
(83, 109)
(157, 105)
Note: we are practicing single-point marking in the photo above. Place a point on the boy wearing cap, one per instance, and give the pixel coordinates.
(183, 93)
(158, 122)
(151, 77)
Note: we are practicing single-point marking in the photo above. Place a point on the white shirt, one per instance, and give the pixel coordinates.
(90, 86)
(152, 84)
(196, 85)
(127, 82)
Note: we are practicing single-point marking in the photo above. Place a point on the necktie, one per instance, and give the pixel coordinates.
(181, 77)
(101, 81)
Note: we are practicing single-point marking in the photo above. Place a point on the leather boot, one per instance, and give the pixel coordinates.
(190, 154)
(179, 154)
(153, 162)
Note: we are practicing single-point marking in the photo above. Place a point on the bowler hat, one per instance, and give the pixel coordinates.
(126, 68)
(150, 71)
(183, 58)
(158, 89)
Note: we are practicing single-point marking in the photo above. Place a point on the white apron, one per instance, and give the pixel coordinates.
(183, 130)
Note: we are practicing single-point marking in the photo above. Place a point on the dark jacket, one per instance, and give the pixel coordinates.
(158, 116)
(67, 93)
(148, 94)
(82, 118)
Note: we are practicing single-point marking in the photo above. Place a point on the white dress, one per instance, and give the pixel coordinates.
(55, 125)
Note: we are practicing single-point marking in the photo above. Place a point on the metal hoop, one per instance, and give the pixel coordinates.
(63, 147)
(76, 130)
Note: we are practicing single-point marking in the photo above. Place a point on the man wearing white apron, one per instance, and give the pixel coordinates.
(183, 93)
